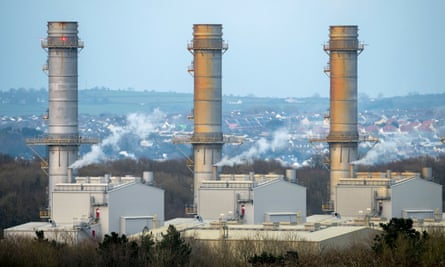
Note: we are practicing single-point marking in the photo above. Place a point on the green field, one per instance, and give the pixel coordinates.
(119, 102)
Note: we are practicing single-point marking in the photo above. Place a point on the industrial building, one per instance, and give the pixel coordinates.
(83, 207)
(343, 48)
(207, 48)
(250, 198)
(390, 195)
(253, 198)
(385, 195)
(319, 234)
(117, 204)
(94, 206)
(62, 45)
(382, 195)
(226, 206)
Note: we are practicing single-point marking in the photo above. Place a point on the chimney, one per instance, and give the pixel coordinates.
(427, 173)
(352, 170)
(343, 49)
(148, 178)
(207, 48)
(291, 175)
(389, 174)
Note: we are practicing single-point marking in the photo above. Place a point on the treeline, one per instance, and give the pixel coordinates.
(22, 96)
(170, 101)
(13, 140)
(399, 244)
(114, 250)
(22, 190)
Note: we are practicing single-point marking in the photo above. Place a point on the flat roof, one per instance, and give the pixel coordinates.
(35, 226)
(211, 230)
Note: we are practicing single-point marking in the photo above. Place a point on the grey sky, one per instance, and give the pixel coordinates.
(275, 47)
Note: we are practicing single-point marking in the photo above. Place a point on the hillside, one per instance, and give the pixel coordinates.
(142, 124)
(20, 102)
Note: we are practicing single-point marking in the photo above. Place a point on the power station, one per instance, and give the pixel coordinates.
(390, 194)
(207, 48)
(226, 206)
(62, 140)
(83, 207)
(253, 198)
(343, 48)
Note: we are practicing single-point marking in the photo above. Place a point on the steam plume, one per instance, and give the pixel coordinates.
(137, 124)
(392, 148)
(279, 140)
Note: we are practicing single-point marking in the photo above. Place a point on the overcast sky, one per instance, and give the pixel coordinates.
(275, 47)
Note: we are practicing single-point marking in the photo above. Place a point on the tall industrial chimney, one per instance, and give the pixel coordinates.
(63, 139)
(343, 48)
(62, 45)
(207, 48)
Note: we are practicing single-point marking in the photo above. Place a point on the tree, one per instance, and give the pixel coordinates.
(172, 250)
(146, 248)
(40, 236)
(401, 241)
(116, 250)
(266, 259)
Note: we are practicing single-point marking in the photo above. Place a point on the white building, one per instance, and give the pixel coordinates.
(252, 199)
(320, 234)
(94, 206)
(389, 195)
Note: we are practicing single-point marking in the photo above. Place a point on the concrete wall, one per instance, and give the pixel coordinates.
(213, 202)
(360, 237)
(134, 200)
(416, 194)
(279, 196)
(352, 199)
(417, 197)
(69, 207)
(136, 224)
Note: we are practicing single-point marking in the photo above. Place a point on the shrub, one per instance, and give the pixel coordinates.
(172, 250)
(400, 243)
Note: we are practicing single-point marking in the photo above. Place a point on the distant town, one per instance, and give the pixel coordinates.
(138, 124)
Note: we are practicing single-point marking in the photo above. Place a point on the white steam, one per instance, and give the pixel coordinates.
(392, 148)
(280, 139)
(137, 124)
